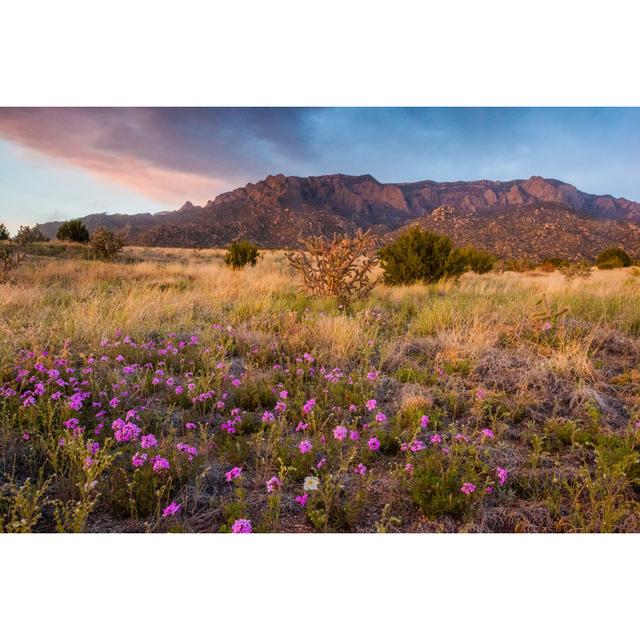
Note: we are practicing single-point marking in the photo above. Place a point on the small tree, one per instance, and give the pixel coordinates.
(415, 256)
(4, 232)
(339, 268)
(28, 234)
(105, 245)
(241, 253)
(613, 258)
(74, 231)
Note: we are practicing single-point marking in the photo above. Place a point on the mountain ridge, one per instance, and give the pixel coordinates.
(276, 211)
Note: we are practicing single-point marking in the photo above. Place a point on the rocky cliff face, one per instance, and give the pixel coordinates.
(276, 211)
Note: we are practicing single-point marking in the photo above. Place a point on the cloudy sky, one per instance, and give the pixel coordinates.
(63, 162)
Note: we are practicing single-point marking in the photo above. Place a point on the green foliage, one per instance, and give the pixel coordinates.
(21, 506)
(28, 234)
(74, 231)
(240, 254)
(4, 232)
(468, 259)
(415, 256)
(437, 479)
(105, 245)
(613, 258)
(555, 261)
(424, 256)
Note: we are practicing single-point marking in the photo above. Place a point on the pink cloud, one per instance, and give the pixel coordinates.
(118, 146)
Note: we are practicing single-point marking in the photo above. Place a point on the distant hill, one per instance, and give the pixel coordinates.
(533, 218)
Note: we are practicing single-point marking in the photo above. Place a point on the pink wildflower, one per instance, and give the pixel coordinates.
(273, 484)
(340, 433)
(148, 441)
(305, 446)
(468, 488)
(308, 406)
(371, 404)
(373, 444)
(232, 474)
(171, 509)
(502, 474)
(139, 459)
(361, 469)
(302, 500)
(242, 525)
(160, 463)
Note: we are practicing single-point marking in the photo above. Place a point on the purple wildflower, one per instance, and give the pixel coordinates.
(242, 525)
(171, 509)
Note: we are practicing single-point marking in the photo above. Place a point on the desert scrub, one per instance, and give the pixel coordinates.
(240, 254)
(340, 268)
(172, 370)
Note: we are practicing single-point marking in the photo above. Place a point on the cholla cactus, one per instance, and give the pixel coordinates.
(340, 267)
(11, 255)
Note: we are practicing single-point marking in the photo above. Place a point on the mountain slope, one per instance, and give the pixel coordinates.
(532, 231)
(276, 211)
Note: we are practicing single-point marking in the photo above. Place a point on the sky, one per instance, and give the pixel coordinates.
(60, 163)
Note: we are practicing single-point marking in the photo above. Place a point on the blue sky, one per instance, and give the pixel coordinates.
(61, 163)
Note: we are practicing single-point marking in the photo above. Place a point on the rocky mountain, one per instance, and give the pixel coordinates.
(517, 218)
(532, 231)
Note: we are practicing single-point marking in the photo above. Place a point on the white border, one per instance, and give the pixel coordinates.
(319, 586)
(334, 53)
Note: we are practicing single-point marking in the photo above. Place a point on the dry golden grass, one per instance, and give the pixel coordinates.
(177, 289)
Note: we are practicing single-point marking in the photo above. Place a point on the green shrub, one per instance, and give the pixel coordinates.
(415, 256)
(105, 245)
(424, 256)
(74, 231)
(4, 232)
(241, 253)
(468, 259)
(613, 258)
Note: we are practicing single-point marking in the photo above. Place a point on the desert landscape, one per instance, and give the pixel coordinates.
(166, 391)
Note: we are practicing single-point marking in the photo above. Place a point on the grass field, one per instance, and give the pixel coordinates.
(169, 393)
